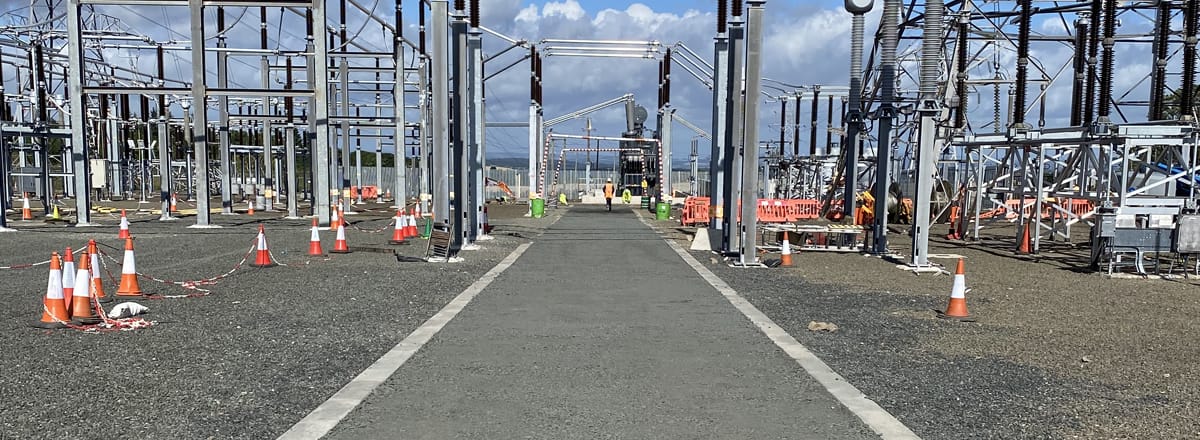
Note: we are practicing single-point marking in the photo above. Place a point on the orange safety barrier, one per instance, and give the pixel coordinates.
(368, 192)
(695, 211)
(803, 209)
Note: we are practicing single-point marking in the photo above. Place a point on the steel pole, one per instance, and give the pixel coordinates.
(754, 39)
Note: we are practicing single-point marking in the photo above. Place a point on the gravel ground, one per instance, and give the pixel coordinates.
(247, 361)
(1057, 351)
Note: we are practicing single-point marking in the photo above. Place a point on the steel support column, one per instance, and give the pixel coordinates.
(754, 39)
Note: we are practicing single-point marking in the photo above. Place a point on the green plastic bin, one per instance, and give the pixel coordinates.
(537, 207)
(662, 211)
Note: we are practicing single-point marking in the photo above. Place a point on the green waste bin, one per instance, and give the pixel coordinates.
(537, 207)
(663, 211)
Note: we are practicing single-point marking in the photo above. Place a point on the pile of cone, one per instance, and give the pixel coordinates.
(400, 228)
(957, 309)
(340, 246)
(411, 229)
(73, 295)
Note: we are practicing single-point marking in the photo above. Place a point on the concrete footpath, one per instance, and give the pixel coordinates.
(599, 330)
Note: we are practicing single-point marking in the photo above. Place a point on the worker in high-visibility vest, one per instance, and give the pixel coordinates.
(609, 189)
(626, 196)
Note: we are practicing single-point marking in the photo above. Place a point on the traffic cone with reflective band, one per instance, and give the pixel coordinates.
(83, 309)
(400, 229)
(336, 220)
(26, 213)
(388, 194)
(314, 243)
(487, 228)
(785, 251)
(250, 207)
(1025, 246)
(124, 226)
(129, 282)
(68, 281)
(174, 206)
(339, 246)
(957, 309)
(54, 314)
(97, 280)
(263, 259)
(411, 229)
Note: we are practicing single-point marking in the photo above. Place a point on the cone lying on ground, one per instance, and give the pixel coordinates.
(785, 251)
(957, 309)
(54, 314)
(26, 213)
(314, 243)
(83, 310)
(339, 246)
(97, 280)
(263, 257)
(129, 282)
(124, 226)
(68, 282)
(399, 228)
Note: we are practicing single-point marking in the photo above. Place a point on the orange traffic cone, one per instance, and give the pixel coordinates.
(82, 310)
(336, 220)
(314, 243)
(26, 213)
(249, 207)
(399, 228)
(263, 259)
(68, 282)
(411, 229)
(97, 281)
(957, 310)
(129, 282)
(387, 195)
(339, 246)
(124, 226)
(785, 251)
(487, 228)
(1025, 246)
(54, 315)
(174, 207)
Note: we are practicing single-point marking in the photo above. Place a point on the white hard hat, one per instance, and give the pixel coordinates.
(610, 179)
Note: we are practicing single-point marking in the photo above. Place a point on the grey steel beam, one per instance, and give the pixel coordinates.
(165, 180)
(440, 169)
(79, 148)
(754, 24)
(664, 185)
(400, 156)
(717, 152)
(319, 123)
(200, 125)
(223, 119)
(461, 113)
(733, 134)
(930, 108)
(475, 66)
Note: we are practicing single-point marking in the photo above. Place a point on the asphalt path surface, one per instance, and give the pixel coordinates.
(600, 330)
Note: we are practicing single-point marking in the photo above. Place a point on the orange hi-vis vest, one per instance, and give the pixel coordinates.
(608, 190)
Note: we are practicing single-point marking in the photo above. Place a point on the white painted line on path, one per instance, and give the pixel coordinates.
(880, 421)
(321, 420)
